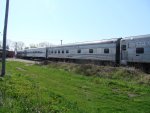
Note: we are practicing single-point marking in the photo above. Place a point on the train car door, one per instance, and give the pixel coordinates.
(124, 53)
(139, 51)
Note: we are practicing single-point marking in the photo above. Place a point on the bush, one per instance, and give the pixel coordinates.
(122, 73)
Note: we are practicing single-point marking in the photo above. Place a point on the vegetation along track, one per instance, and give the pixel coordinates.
(73, 88)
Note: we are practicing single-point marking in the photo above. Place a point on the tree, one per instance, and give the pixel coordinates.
(9, 44)
(1, 44)
(20, 45)
(7, 47)
(26, 48)
(17, 45)
(33, 46)
(43, 44)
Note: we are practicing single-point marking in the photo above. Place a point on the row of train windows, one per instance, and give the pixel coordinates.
(106, 50)
(139, 50)
(67, 51)
(34, 52)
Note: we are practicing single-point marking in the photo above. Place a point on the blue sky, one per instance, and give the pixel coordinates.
(34, 21)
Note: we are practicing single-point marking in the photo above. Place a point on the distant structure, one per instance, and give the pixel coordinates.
(9, 54)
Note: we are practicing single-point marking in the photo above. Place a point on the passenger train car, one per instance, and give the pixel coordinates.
(32, 53)
(104, 51)
(36, 53)
(124, 51)
(135, 49)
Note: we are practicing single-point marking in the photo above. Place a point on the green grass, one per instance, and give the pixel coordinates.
(46, 89)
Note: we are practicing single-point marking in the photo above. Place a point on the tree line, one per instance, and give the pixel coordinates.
(19, 45)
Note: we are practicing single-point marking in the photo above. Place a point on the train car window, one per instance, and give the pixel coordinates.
(58, 51)
(123, 47)
(62, 51)
(79, 51)
(90, 50)
(67, 51)
(55, 51)
(106, 50)
(51, 51)
(140, 50)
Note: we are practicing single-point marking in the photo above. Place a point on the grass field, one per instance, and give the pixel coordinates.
(57, 88)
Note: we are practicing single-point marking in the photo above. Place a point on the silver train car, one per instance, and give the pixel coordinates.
(120, 51)
(135, 49)
(104, 51)
(39, 53)
(36, 53)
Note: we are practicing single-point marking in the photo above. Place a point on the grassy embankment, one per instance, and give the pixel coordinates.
(63, 87)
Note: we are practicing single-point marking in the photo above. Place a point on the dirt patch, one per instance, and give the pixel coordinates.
(22, 60)
(20, 69)
(116, 90)
(29, 64)
(131, 95)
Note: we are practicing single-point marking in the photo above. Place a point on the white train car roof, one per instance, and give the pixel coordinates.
(136, 37)
(35, 48)
(106, 41)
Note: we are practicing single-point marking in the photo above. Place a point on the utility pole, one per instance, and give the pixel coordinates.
(16, 48)
(61, 42)
(4, 39)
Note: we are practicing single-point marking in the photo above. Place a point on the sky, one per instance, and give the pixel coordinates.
(35, 21)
